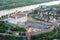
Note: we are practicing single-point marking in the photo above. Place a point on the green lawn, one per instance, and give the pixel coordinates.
(7, 4)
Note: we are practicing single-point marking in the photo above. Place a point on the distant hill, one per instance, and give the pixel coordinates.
(7, 4)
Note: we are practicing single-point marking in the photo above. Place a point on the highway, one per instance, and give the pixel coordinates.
(27, 8)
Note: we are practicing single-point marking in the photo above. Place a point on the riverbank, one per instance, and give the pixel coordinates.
(27, 8)
(9, 4)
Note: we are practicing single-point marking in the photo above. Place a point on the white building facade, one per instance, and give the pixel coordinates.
(18, 19)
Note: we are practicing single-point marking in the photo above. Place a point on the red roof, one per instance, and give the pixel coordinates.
(17, 15)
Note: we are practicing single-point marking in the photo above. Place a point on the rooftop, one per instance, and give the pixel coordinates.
(17, 15)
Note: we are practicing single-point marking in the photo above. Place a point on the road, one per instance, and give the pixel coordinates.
(27, 8)
(11, 35)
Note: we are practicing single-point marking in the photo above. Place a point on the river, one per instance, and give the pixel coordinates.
(26, 8)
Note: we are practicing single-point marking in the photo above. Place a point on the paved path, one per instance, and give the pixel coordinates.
(11, 35)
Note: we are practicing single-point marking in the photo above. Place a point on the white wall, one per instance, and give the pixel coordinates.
(14, 20)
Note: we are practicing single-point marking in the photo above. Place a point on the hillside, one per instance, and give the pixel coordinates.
(7, 4)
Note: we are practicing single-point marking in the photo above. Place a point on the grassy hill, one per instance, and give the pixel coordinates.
(7, 4)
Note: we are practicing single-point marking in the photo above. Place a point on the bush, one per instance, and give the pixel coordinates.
(18, 29)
